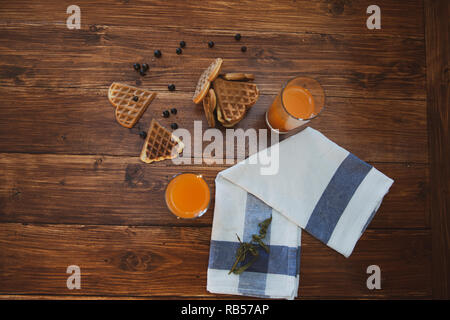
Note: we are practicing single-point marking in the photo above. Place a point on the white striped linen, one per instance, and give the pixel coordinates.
(320, 187)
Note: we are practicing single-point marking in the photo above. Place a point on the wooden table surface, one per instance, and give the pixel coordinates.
(74, 192)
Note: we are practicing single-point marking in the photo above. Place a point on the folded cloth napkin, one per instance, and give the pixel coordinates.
(319, 187)
(238, 212)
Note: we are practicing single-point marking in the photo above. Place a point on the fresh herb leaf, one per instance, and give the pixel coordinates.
(246, 248)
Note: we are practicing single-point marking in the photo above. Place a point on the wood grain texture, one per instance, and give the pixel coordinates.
(94, 57)
(321, 16)
(73, 191)
(438, 60)
(147, 261)
(78, 121)
(115, 297)
(126, 191)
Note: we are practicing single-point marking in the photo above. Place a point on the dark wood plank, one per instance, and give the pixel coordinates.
(71, 180)
(438, 60)
(126, 191)
(147, 261)
(79, 121)
(115, 297)
(398, 19)
(397, 262)
(346, 65)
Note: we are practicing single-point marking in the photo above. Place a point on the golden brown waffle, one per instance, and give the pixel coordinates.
(203, 84)
(234, 98)
(225, 123)
(209, 104)
(238, 76)
(160, 144)
(129, 111)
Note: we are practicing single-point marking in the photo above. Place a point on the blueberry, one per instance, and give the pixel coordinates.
(243, 48)
(158, 53)
(145, 67)
(173, 111)
(179, 51)
(174, 126)
(211, 44)
(182, 44)
(142, 72)
(171, 87)
(143, 134)
(135, 98)
(237, 36)
(166, 113)
(136, 66)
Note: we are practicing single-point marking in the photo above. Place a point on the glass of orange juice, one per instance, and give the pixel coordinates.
(300, 100)
(188, 195)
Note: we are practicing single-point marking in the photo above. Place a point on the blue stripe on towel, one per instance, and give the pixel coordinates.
(336, 197)
(284, 260)
(256, 211)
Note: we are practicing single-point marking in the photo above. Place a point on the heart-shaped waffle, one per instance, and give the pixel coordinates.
(225, 123)
(234, 98)
(209, 104)
(130, 102)
(203, 84)
(160, 144)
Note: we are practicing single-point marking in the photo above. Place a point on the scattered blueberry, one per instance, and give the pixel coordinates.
(142, 72)
(158, 53)
(173, 111)
(243, 48)
(144, 67)
(237, 36)
(136, 66)
(171, 87)
(179, 51)
(182, 44)
(135, 98)
(143, 134)
(166, 113)
(174, 126)
(211, 44)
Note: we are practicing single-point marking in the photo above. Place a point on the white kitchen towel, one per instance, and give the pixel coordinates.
(319, 187)
(273, 275)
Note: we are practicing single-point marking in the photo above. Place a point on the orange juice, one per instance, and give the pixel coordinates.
(187, 195)
(298, 102)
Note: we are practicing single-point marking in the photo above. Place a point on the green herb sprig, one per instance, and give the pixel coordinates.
(246, 248)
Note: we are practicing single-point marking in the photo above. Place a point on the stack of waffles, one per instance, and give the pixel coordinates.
(230, 94)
